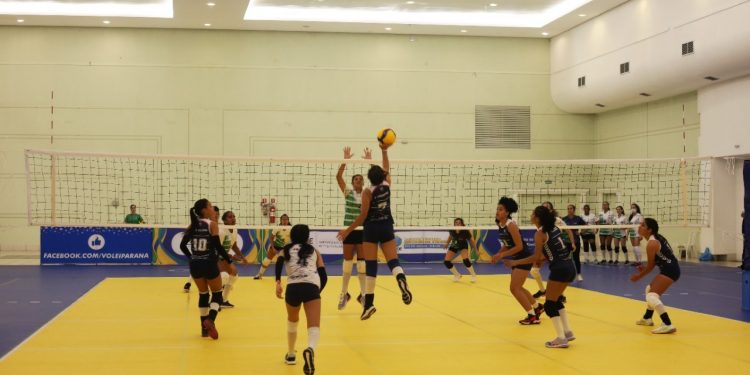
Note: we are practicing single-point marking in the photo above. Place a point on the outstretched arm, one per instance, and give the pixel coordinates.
(342, 167)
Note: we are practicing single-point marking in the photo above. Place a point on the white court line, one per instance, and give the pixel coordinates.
(9, 282)
(12, 301)
(49, 322)
(35, 301)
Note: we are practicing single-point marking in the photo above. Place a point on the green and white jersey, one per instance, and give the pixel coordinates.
(353, 206)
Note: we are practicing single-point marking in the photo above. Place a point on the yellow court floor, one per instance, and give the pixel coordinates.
(149, 326)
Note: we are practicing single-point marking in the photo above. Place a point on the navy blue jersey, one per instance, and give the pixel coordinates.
(554, 248)
(575, 220)
(459, 239)
(380, 204)
(200, 245)
(664, 258)
(506, 240)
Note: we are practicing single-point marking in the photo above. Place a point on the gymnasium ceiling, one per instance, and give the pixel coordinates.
(517, 18)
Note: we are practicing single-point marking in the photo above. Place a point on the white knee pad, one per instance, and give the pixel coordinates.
(361, 267)
(291, 327)
(224, 278)
(653, 299)
(648, 289)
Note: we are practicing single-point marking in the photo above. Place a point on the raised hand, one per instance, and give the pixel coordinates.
(367, 153)
(348, 152)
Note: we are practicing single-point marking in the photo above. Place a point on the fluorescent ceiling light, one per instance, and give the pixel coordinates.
(257, 11)
(97, 8)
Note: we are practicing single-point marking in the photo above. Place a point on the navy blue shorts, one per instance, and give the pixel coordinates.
(526, 267)
(299, 293)
(563, 271)
(378, 232)
(354, 238)
(671, 272)
(204, 269)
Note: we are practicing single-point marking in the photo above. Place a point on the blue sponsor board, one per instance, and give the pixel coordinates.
(96, 245)
(167, 245)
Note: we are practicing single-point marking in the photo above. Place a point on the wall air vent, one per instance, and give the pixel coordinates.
(625, 68)
(502, 127)
(581, 81)
(687, 48)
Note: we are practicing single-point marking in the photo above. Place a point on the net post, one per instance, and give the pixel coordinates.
(684, 191)
(28, 187)
(53, 183)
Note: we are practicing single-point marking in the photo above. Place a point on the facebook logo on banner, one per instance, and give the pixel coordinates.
(96, 242)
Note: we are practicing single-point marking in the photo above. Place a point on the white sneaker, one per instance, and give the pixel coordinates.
(343, 299)
(644, 322)
(664, 329)
(456, 278)
(473, 278)
(579, 278)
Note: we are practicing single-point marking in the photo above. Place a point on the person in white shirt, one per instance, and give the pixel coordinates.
(635, 218)
(588, 236)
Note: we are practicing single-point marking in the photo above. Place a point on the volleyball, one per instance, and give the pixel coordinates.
(387, 136)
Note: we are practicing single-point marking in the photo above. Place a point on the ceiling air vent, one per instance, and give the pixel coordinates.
(581, 81)
(625, 68)
(644, 94)
(687, 48)
(502, 127)
(600, 105)
(711, 78)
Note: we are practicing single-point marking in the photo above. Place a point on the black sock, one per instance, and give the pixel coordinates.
(665, 319)
(648, 314)
(212, 314)
(369, 300)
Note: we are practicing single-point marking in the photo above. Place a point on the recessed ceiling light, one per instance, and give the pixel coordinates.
(412, 39)
(90, 8)
(411, 15)
(20, 20)
(581, 15)
(493, 4)
(388, 29)
(463, 31)
(545, 33)
(207, 24)
(106, 22)
(211, 4)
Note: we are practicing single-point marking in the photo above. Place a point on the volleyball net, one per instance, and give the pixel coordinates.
(73, 188)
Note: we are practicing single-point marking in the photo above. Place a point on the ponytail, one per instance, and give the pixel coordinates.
(300, 235)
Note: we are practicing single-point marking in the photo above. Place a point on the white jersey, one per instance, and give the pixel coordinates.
(297, 273)
(228, 239)
(590, 219)
(636, 220)
(621, 220)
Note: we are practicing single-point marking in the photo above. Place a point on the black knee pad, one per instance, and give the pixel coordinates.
(467, 263)
(624, 249)
(560, 304)
(609, 247)
(203, 299)
(586, 247)
(371, 268)
(393, 263)
(448, 264)
(217, 297)
(550, 307)
(602, 247)
(617, 249)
